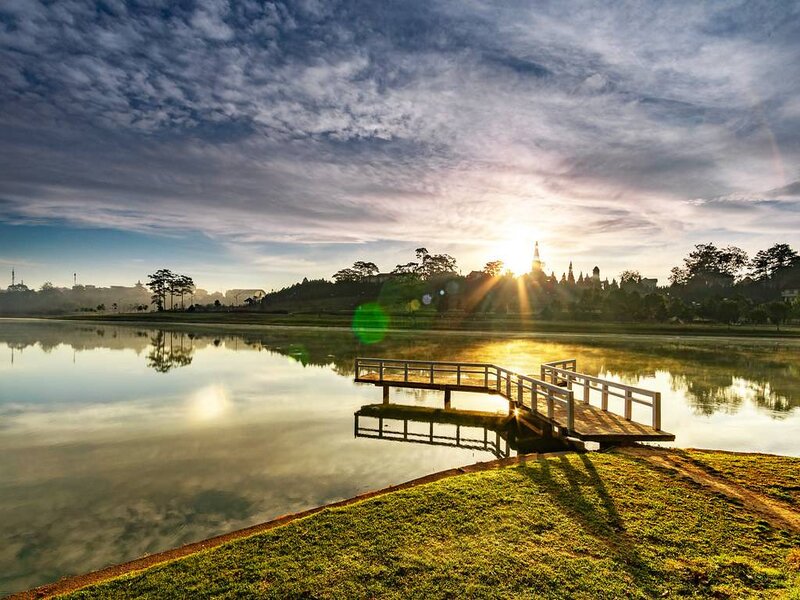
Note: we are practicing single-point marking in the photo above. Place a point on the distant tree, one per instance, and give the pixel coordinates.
(160, 285)
(758, 315)
(630, 278)
(47, 286)
(183, 285)
(708, 265)
(727, 311)
(360, 271)
(493, 268)
(777, 312)
(767, 263)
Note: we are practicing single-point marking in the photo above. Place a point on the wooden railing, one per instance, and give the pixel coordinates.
(522, 390)
(564, 373)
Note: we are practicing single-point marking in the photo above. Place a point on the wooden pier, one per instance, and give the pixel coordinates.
(560, 402)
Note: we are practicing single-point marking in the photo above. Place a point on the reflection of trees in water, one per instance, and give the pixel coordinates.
(717, 375)
(169, 350)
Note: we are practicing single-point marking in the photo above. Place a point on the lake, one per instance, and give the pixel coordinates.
(117, 441)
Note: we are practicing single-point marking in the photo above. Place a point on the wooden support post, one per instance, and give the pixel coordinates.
(431, 372)
(405, 372)
(586, 390)
(657, 411)
(604, 402)
(458, 374)
(486, 376)
(380, 371)
(519, 393)
(458, 434)
(380, 426)
(405, 429)
(386, 394)
(628, 405)
(431, 431)
(447, 399)
(571, 412)
(355, 426)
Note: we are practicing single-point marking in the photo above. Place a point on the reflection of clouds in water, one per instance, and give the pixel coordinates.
(114, 501)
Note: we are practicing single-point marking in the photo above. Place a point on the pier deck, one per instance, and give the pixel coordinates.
(549, 401)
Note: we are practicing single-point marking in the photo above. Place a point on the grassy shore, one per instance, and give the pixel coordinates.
(492, 323)
(636, 523)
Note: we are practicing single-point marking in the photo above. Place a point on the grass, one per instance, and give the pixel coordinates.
(573, 525)
(428, 321)
(775, 477)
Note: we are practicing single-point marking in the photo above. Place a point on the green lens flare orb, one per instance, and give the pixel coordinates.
(370, 323)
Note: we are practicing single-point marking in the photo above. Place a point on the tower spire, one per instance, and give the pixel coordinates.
(536, 266)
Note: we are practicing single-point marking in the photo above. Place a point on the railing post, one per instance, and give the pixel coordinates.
(497, 370)
(431, 372)
(508, 385)
(405, 372)
(628, 405)
(604, 404)
(571, 411)
(358, 364)
(569, 381)
(543, 373)
(519, 392)
(458, 374)
(380, 371)
(534, 398)
(586, 390)
(657, 411)
(549, 405)
(486, 376)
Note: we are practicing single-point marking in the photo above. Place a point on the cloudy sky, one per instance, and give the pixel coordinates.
(252, 143)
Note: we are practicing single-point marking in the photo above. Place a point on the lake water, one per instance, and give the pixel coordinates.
(117, 441)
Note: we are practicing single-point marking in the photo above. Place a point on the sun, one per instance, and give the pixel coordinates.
(516, 252)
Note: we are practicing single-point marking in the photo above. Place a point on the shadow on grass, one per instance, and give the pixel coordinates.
(600, 519)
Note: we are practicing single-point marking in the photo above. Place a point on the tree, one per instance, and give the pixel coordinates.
(493, 268)
(630, 278)
(708, 266)
(767, 263)
(728, 311)
(758, 315)
(360, 271)
(160, 284)
(777, 312)
(182, 285)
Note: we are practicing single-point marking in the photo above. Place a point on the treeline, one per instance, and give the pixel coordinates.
(714, 284)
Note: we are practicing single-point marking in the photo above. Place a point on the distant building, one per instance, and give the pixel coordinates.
(649, 283)
(790, 295)
(239, 297)
(379, 277)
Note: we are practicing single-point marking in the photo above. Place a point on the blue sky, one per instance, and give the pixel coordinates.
(252, 143)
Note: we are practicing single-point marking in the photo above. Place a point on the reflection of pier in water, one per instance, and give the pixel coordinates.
(496, 433)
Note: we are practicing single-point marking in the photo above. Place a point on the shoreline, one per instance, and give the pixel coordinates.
(660, 457)
(636, 331)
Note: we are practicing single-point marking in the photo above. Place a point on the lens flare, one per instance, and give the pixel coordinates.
(370, 323)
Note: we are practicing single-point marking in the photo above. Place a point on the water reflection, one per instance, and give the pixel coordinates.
(496, 433)
(169, 350)
(121, 440)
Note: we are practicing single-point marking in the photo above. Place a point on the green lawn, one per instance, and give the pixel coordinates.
(574, 525)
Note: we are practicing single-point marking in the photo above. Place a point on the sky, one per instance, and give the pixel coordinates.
(250, 144)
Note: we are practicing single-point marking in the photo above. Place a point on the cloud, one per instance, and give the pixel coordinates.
(356, 123)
